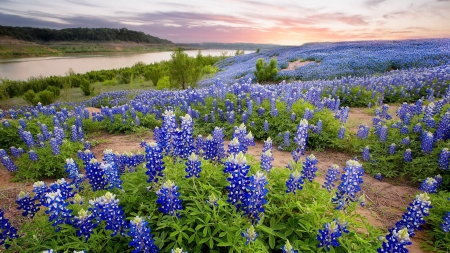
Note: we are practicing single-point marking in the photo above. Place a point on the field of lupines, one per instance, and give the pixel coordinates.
(189, 192)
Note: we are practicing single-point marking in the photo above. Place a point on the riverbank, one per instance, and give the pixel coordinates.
(12, 48)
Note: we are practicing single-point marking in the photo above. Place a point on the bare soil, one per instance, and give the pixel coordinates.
(296, 64)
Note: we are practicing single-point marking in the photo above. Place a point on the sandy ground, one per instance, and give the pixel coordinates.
(296, 64)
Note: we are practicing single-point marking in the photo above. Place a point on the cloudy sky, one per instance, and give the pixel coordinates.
(258, 21)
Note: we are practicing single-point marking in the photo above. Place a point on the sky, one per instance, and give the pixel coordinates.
(249, 21)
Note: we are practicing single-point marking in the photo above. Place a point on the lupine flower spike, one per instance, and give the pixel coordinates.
(142, 240)
(250, 235)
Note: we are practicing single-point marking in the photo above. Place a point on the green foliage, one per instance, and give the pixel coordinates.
(163, 83)
(156, 71)
(265, 72)
(184, 70)
(48, 165)
(258, 50)
(85, 86)
(437, 240)
(10, 137)
(358, 97)
(30, 96)
(45, 97)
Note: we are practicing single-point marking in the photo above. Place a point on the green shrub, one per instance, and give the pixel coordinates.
(265, 72)
(55, 90)
(85, 86)
(45, 97)
(163, 83)
(30, 96)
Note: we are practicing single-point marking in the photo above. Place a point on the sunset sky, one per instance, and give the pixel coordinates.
(278, 22)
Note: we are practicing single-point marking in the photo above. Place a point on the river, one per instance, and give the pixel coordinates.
(23, 68)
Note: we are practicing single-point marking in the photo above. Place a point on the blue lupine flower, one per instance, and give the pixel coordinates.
(140, 233)
(73, 133)
(40, 189)
(293, 116)
(86, 156)
(341, 132)
(417, 128)
(33, 156)
(55, 146)
(407, 157)
(308, 114)
(168, 126)
(72, 169)
(27, 204)
(266, 160)
(443, 159)
(286, 139)
(155, 164)
(331, 177)
(107, 208)
(366, 154)
(199, 145)
(9, 164)
(96, 175)
(392, 148)
(383, 133)
(329, 235)
(445, 225)
(177, 143)
(429, 185)
(112, 174)
(404, 130)
(350, 185)
(310, 168)
(438, 179)
(6, 229)
(193, 168)
(6, 123)
(268, 144)
(254, 198)
(344, 114)
(261, 111)
(414, 217)
(250, 235)
(287, 248)
(212, 200)
(187, 141)
(57, 209)
(266, 126)
(16, 152)
(427, 142)
(65, 189)
(295, 182)
(234, 146)
(318, 129)
(301, 137)
(396, 241)
(378, 176)
(168, 199)
(363, 131)
(443, 127)
(236, 166)
(85, 223)
(210, 148)
(406, 141)
(218, 137)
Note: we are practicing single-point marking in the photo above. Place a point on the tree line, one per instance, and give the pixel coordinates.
(79, 34)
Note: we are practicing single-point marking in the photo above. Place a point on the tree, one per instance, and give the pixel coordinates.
(184, 70)
(265, 72)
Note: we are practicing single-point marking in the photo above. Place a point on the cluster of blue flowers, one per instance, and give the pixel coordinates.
(168, 199)
(155, 164)
(7, 231)
(331, 177)
(350, 185)
(328, 236)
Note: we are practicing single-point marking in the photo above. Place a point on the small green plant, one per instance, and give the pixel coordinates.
(265, 72)
(85, 86)
(163, 83)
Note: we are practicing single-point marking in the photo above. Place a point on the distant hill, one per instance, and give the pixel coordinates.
(40, 35)
(240, 46)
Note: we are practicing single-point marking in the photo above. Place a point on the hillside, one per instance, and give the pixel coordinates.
(42, 35)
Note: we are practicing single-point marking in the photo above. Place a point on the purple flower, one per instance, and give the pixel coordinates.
(193, 168)
(407, 157)
(363, 131)
(443, 159)
(286, 139)
(392, 148)
(406, 141)
(310, 168)
(266, 126)
(427, 142)
(154, 164)
(366, 154)
(331, 177)
(341, 132)
(383, 133)
(266, 160)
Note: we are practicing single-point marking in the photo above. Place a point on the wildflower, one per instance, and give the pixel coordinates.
(250, 235)
(331, 177)
(350, 185)
(363, 131)
(9, 164)
(33, 156)
(396, 241)
(6, 229)
(55, 146)
(210, 148)
(238, 169)
(85, 224)
(318, 129)
(414, 216)
(417, 128)
(310, 168)
(254, 198)
(266, 126)
(218, 137)
(168, 199)
(329, 235)
(301, 137)
(57, 209)
(266, 160)
(378, 176)
(406, 141)
(268, 144)
(295, 182)
(341, 132)
(155, 164)
(287, 248)
(445, 225)
(96, 175)
(107, 208)
(427, 142)
(64, 187)
(443, 159)
(199, 145)
(112, 175)
(286, 139)
(40, 189)
(407, 157)
(392, 150)
(383, 133)
(404, 130)
(193, 166)
(234, 146)
(429, 185)
(366, 154)
(293, 116)
(212, 200)
(142, 240)
(27, 204)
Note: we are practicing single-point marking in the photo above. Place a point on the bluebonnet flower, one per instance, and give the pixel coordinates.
(318, 129)
(254, 198)
(266, 126)
(406, 141)
(293, 116)
(350, 185)
(417, 128)
(261, 111)
(178, 250)
(310, 168)
(236, 166)
(286, 139)
(252, 123)
(407, 156)
(392, 148)
(429, 122)
(414, 216)
(268, 145)
(234, 146)
(218, 137)
(33, 156)
(266, 160)
(250, 235)
(57, 209)
(244, 118)
(168, 199)
(404, 130)
(429, 185)
(27, 204)
(155, 164)
(249, 140)
(295, 182)
(212, 200)
(65, 189)
(383, 133)
(329, 235)
(28, 139)
(366, 154)
(112, 174)
(16, 152)
(396, 241)
(363, 131)
(72, 169)
(140, 233)
(165, 132)
(230, 117)
(193, 168)
(177, 143)
(438, 179)
(287, 248)
(6, 229)
(443, 159)
(22, 123)
(331, 177)
(85, 223)
(427, 142)
(445, 225)
(45, 133)
(9, 164)
(86, 156)
(301, 137)
(96, 175)
(73, 133)
(210, 149)
(308, 114)
(341, 132)
(40, 189)
(55, 146)
(344, 114)
(58, 135)
(443, 128)
(6, 123)
(199, 144)
(107, 208)
(378, 176)
(187, 141)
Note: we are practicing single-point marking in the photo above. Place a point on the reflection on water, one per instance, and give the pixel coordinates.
(23, 68)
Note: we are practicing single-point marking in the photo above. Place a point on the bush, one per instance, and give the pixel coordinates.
(85, 86)
(46, 97)
(163, 83)
(30, 96)
(265, 72)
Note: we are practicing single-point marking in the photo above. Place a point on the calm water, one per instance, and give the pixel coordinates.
(23, 68)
